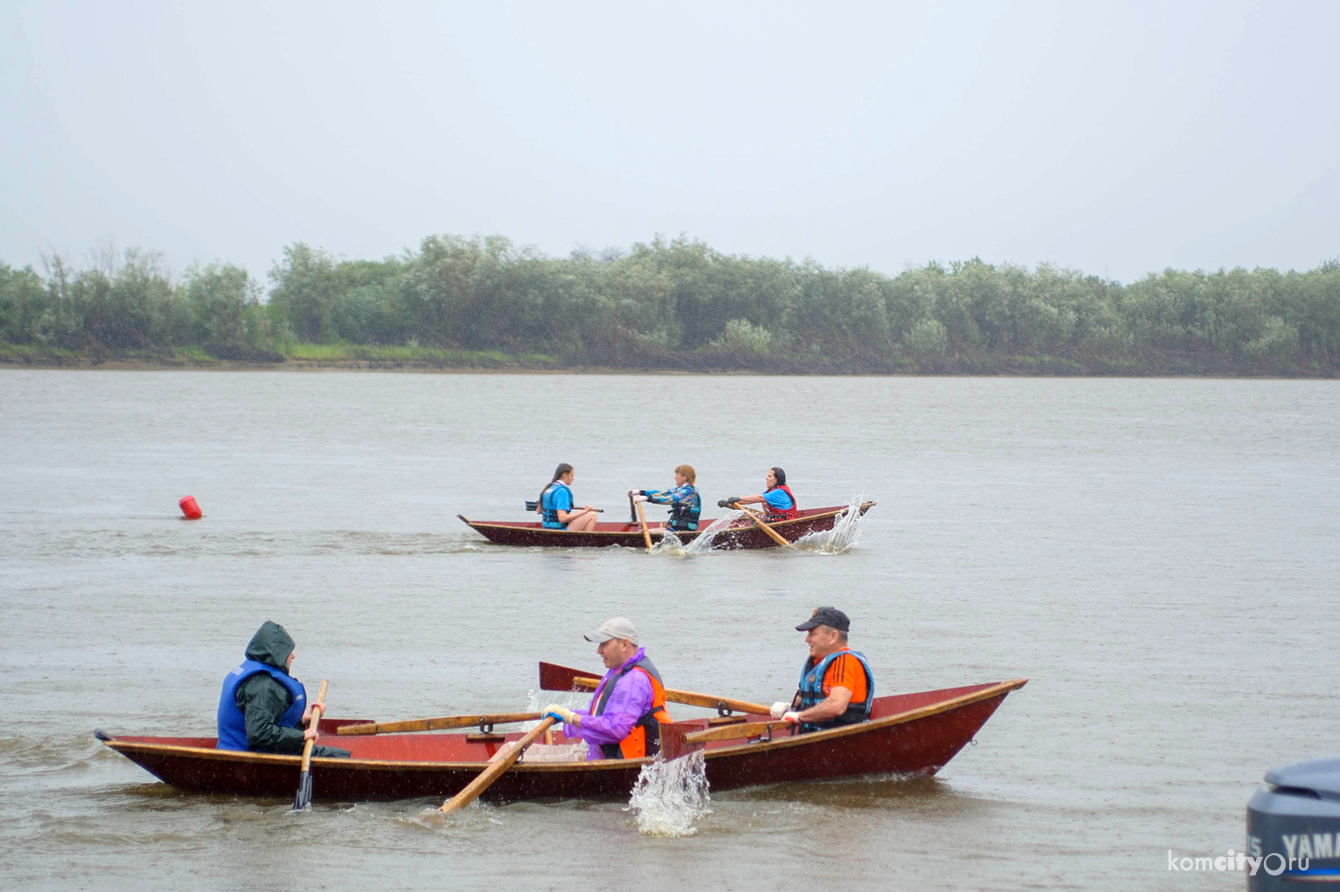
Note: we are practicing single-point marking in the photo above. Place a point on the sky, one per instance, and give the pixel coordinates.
(1118, 139)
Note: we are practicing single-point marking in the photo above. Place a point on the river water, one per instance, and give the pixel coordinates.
(1159, 557)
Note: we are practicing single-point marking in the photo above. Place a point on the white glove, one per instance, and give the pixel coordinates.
(793, 717)
(562, 712)
(779, 709)
(639, 498)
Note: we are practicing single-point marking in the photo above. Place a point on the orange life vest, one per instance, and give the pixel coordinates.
(645, 738)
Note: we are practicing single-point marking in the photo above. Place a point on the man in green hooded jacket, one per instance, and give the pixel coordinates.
(264, 709)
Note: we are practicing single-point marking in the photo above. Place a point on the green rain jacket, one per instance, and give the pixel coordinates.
(263, 700)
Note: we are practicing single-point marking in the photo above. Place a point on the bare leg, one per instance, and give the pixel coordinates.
(583, 524)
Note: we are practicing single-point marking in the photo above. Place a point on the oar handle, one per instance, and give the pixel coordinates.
(439, 724)
(490, 774)
(316, 720)
(691, 698)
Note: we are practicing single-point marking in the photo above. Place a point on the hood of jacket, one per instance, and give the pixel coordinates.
(271, 645)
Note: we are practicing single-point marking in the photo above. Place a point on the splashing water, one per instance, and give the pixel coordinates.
(670, 795)
(703, 543)
(842, 537)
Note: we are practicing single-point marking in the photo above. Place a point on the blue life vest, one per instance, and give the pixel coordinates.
(685, 516)
(233, 724)
(550, 513)
(812, 692)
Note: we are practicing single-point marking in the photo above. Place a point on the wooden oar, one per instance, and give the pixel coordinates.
(439, 724)
(564, 678)
(642, 522)
(495, 769)
(305, 779)
(776, 536)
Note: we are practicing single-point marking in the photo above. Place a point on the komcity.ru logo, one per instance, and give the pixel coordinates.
(1273, 864)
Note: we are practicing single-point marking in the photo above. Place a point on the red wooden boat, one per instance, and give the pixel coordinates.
(908, 733)
(742, 533)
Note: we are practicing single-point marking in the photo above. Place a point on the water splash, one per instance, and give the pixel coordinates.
(703, 543)
(842, 537)
(670, 795)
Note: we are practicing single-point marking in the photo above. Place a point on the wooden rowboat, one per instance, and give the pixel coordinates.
(912, 734)
(740, 534)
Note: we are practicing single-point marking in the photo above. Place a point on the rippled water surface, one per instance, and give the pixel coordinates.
(1159, 557)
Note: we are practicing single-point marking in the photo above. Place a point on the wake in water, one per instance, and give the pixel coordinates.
(670, 795)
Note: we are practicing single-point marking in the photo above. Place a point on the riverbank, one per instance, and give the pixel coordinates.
(308, 357)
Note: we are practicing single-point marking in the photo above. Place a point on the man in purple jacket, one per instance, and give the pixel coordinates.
(628, 707)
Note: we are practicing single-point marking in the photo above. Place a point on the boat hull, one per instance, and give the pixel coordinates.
(909, 733)
(742, 534)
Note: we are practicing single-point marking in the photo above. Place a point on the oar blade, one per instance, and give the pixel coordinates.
(554, 677)
(304, 797)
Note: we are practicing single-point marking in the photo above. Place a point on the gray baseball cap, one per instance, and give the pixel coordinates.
(617, 627)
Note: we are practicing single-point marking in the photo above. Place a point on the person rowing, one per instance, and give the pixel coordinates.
(264, 709)
(555, 504)
(836, 685)
(777, 499)
(685, 503)
(628, 706)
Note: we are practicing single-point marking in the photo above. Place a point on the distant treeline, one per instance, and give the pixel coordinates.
(678, 305)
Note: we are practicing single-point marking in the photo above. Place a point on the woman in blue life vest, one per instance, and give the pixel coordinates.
(264, 709)
(777, 498)
(685, 503)
(555, 504)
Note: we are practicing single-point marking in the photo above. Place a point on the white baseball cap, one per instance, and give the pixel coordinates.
(618, 627)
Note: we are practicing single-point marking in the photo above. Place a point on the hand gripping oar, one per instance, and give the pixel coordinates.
(776, 536)
(439, 724)
(495, 769)
(305, 779)
(564, 678)
(642, 521)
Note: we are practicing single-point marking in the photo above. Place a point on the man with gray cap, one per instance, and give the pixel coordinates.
(628, 707)
(836, 685)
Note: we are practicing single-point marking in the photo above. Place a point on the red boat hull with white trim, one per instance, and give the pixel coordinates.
(742, 534)
(908, 733)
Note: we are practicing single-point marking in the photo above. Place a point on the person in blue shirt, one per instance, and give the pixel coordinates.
(777, 499)
(555, 504)
(685, 503)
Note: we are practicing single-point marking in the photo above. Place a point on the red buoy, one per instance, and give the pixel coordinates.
(189, 508)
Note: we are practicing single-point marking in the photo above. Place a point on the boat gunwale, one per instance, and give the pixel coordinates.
(531, 526)
(753, 745)
(998, 689)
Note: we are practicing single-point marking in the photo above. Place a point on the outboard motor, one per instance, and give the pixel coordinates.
(1293, 825)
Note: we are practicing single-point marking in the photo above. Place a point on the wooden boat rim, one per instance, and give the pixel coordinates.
(750, 746)
(123, 746)
(528, 526)
(782, 742)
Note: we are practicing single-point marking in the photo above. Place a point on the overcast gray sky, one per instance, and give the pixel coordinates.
(1113, 138)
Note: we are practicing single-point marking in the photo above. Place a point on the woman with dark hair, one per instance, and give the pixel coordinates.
(555, 504)
(777, 499)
